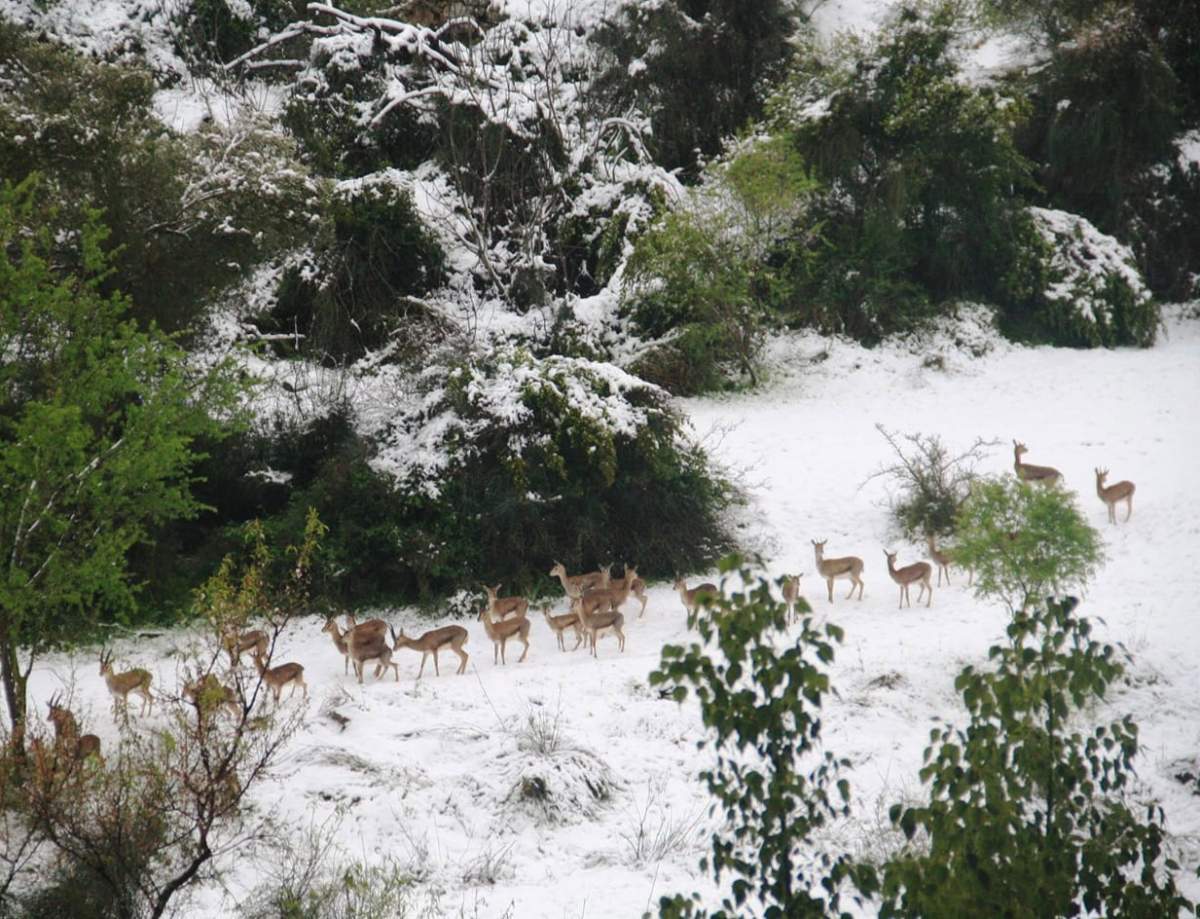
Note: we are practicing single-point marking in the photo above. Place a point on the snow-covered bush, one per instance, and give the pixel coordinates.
(920, 175)
(506, 463)
(1093, 295)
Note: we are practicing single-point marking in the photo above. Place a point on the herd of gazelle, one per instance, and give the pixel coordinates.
(595, 610)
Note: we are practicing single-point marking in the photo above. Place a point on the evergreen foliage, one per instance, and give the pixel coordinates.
(696, 67)
(921, 178)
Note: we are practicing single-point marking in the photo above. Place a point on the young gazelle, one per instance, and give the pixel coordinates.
(918, 572)
(833, 569)
(791, 592)
(575, 584)
(1111, 494)
(595, 621)
(66, 733)
(279, 677)
(506, 606)
(1027, 472)
(454, 636)
(638, 589)
(693, 597)
(255, 641)
(501, 630)
(943, 560)
(561, 623)
(122, 684)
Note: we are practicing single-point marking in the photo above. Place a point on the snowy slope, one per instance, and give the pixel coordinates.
(425, 770)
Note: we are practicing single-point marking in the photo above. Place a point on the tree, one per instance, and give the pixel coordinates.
(1028, 813)
(761, 694)
(1024, 541)
(97, 424)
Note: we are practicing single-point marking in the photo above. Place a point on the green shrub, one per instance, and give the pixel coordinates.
(1029, 810)
(1025, 541)
(708, 277)
(1082, 290)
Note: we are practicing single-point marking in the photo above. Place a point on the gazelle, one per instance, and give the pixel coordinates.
(693, 597)
(575, 584)
(638, 589)
(593, 623)
(506, 606)
(501, 630)
(791, 593)
(279, 677)
(1111, 494)
(917, 572)
(833, 569)
(943, 560)
(1027, 472)
(122, 684)
(611, 597)
(433, 641)
(561, 623)
(208, 694)
(372, 627)
(255, 641)
(66, 733)
(370, 645)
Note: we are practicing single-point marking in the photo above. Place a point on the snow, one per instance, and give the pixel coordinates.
(1188, 146)
(430, 772)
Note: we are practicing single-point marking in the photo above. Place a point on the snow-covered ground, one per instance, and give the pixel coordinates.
(426, 772)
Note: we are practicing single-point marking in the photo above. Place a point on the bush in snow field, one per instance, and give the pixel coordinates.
(507, 463)
(1025, 541)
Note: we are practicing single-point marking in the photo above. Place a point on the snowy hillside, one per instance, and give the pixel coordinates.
(431, 772)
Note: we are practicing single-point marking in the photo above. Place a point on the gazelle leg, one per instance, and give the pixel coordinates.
(436, 670)
(1128, 508)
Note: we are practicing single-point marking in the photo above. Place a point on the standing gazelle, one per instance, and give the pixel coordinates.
(452, 636)
(1027, 472)
(918, 572)
(501, 630)
(122, 684)
(832, 569)
(1111, 494)
(791, 592)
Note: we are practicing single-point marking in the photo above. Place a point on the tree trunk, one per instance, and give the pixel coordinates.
(14, 681)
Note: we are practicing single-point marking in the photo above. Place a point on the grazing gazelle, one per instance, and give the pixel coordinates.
(501, 630)
(279, 677)
(1111, 494)
(66, 734)
(917, 572)
(454, 636)
(1027, 472)
(501, 607)
(209, 694)
(791, 592)
(693, 597)
(254, 641)
(575, 584)
(122, 684)
(561, 623)
(833, 569)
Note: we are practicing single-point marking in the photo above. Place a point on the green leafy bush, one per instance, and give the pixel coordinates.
(1025, 541)
(760, 693)
(1030, 811)
(708, 277)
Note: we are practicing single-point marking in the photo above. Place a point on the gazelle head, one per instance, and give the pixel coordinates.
(1101, 475)
(105, 662)
(891, 557)
(331, 627)
(680, 584)
(558, 570)
(1019, 449)
(820, 544)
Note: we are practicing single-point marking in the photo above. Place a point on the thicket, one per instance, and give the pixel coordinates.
(696, 68)
(186, 216)
(921, 181)
(708, 279)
